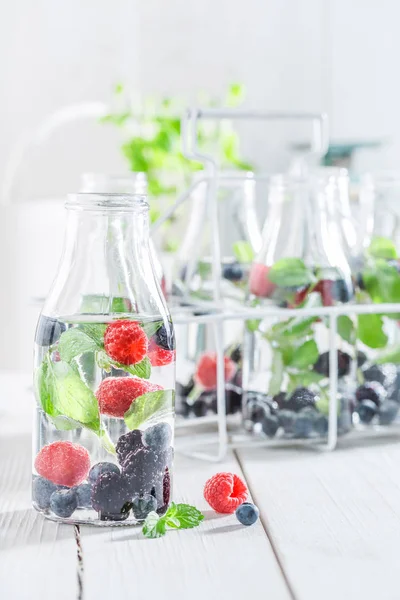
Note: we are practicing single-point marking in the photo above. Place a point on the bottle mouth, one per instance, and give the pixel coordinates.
(132, 183)
(107, 202)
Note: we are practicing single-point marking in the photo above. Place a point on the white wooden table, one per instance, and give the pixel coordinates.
(329, 529)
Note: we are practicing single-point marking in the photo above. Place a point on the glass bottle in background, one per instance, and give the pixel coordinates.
(379, 283)
(103, 438)
(133, 183)
(301, 265)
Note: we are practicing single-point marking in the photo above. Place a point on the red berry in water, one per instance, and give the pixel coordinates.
(159, 357)
(126, 342)
(206, 373)
(325, 288)
(224, 492)
(63, 463)
(259, 283)
(116, 394)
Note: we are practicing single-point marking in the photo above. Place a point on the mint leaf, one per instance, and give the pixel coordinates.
(154, 526)
(370, 331)
(152, 327)
(381, 247)
(74, 342)
(346, 329)
(43, 389)
(147, 405)
(305, 355)
(141, 369)
(63, 423)
(275, 383)
(303, 380)
(103, 361)
(187, 516)
(252, 325)
(95, 331)
(391, 355)
(290, 272)
(243, 252)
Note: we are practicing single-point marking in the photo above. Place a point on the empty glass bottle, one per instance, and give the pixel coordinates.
(104, 372)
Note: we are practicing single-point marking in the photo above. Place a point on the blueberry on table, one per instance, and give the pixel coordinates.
(247, 513)
(366, 410)
(48, 331)
(372, 390)
(270, 425)
(83, 494)
(287, 419)
(165, 339)
(111, 497)
(42, 490)
(143, 505)
(388, 412)
(100, 468)
(127, 443)
(63, 503)
(158, 437)
(301, 398)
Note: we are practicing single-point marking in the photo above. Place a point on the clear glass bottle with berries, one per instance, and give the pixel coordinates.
(104, 372)
(301, 265)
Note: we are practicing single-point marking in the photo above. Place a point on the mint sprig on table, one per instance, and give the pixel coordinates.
(178, 516)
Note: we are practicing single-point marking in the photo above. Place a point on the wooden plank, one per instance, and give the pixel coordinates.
(333, 518)
(37, 557)
(220, 559)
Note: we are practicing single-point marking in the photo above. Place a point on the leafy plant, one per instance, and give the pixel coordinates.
(178, 516)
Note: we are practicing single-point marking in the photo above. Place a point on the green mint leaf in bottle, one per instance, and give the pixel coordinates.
(290, 272)
(148, 405)
(371, 332)
(73, 343)
(381, 247)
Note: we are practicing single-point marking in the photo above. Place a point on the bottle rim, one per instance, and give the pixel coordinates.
(106, 201)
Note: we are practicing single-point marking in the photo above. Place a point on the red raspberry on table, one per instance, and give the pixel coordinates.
(159, 357)
(224, 492)
(63, 463)
(259, 283)
(126, 342)
(206, 373)
(116, 394)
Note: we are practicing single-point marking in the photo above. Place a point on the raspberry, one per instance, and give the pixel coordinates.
(258, 281)
(63, 463)
(158, 356)
(116, 394)
(206, 374)
(224, 492)
(126, 342)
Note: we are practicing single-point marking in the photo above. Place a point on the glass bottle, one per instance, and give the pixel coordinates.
(301, 265)
(104, 372)
(134, 183)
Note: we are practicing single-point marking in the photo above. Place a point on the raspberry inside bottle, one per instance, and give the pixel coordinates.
(104, 372)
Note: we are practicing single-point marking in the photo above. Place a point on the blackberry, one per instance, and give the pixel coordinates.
(280, 400)
(127, 443)
(238, 378)
(322, 364)
(388, 412)
(366, 410)
(287, 419)
(100, 468)
(166, 488)
(42, 490)
(232, 272)
(143, 505)
(270, 425)
(165, 338)
(63, 503)
(301, 398)
(233, 398)
(48, 331)
(144, 468)
(111, 497)
(372, 390)
(158, 437)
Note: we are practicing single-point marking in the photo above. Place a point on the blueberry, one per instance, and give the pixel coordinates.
(280, 400)
(366, 410)
(247, 513)
(83, 493)
(128, 443)
(386, 374)
(233, 397)
(184, 390)
(238, 378)
(143, 505)
(361, 358)
(232, 272)
(235, 354)
(387, 412)
(270, 425)
(48, 331)
(200, 407)
(371, 390)
(287, 419)
(322, 364)
(342, 291)
(64, 502)
(42, 489)
(100, 468)
(360, 281)
(158, 437)
(256, 413)
(111, 497)
(304, 424)
(301, 398)
(321, 425)
(165, 338)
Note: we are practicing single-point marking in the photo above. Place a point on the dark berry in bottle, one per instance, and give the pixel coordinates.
(200, 407)
(322, 364)
(232, 272)
(127, 443)
(366, 410)
(287, 419)
(270, 425)
(100, 468)
(301, 398)
(165, 338)
(235, 354)
(233, 398)
(388, 411)
(63, 503)
(111, 497)
(48, 331)
(371, 390)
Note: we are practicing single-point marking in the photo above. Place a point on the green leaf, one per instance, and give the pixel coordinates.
(95, 331)
(252, 325)
(187, 516)
(235, 95)
(370, 331)
(292, 328)
(290, 272)
(74, 342)
(141, 369)
(275, 383)
(243, 252)
(381, 247)
(346, 329)
(303, 379)
(103, 361)
(43, 389)
(65, 423)
(305, 355)
(154, 526)
(323, 402)
(391, 355)
(151, 327)
(145, 406)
